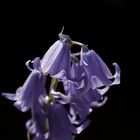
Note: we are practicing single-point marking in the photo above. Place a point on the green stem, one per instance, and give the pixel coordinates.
(54, 83)
(28, 136)
(77, 43)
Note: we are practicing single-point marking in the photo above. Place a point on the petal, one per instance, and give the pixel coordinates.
(36, 63)
(57, 58)
(81, 107)
(83, 126)
(102, 65)
(91, 96)
(99, 104)
(39, 117)
(74, 119)
(61, 74)
(50, 56)
(25, 95)
(103, 90)
(76, 72)
(82, 103)
(37, 125)
(96, 82)
(27, 92)
(9, 96)
(77, 88)
(116, 75)
(83, 123)
(62, 62)
(60, 128)
(95, 66)
(30, 126)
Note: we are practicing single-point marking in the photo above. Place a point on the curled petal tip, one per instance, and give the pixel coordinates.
(99, 104)
(9, 96)
(28, 66)
(116, 75)
(83, 126)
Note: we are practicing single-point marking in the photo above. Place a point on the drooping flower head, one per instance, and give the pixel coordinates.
(85, 81)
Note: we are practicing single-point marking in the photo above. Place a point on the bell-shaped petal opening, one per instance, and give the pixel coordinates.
(97, 71)
(28, 91)
(95, 67)
(25, 95)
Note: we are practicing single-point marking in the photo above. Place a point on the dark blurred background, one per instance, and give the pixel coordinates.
(110, 27)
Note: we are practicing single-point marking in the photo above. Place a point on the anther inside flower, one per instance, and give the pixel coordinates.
(83, 75)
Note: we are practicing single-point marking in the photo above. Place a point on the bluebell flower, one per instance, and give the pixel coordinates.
(31, 89)
(97, 71)
(80, 94)
(36, 126)
(89, 80)
(25, 95)
(29, 96)
(56, 61)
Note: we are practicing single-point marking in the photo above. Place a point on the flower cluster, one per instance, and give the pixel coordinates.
(85, 79)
